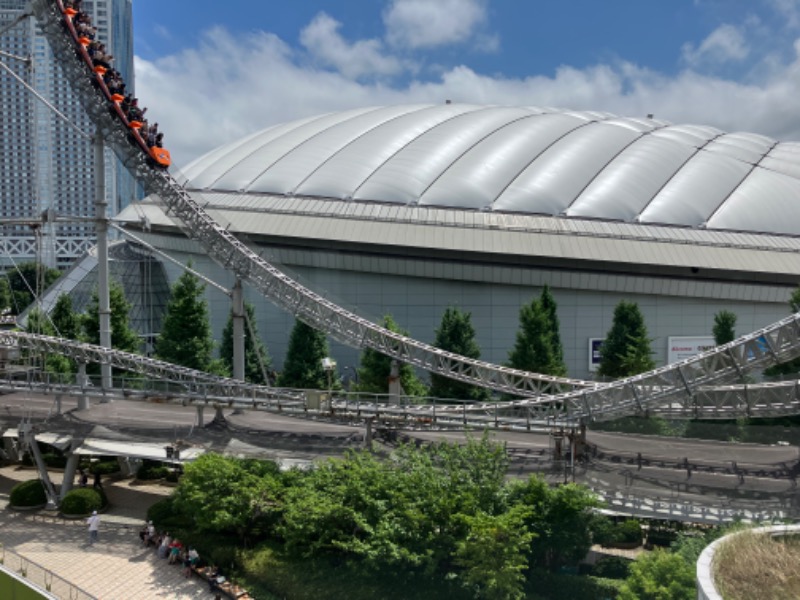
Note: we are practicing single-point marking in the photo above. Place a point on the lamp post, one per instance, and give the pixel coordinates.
(329, 365)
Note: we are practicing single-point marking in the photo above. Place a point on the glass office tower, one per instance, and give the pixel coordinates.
(45, 166)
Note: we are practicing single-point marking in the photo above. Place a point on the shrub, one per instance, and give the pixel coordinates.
(57, 461)
(166, 518)
(28, 493)
(106, 467)
(630, 531)
(152, 470)
(82, 501)
(607, 533)
(612, 567)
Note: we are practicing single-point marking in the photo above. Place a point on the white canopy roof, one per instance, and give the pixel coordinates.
(520, 160)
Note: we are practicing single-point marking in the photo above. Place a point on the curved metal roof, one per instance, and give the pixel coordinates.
(521, 160)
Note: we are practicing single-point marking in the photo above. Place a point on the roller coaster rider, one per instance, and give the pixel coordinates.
(110, 82)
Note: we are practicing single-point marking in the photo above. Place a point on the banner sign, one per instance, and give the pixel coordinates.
(594, 352)
(682, 347)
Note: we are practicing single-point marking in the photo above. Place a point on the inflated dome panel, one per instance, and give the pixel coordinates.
(531, 160)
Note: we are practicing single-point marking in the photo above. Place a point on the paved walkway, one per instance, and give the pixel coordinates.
(115, 568)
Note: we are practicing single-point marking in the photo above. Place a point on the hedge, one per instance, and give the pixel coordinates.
(28, 493)
(82, 501)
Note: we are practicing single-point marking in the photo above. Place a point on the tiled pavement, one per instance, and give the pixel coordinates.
(115, 568)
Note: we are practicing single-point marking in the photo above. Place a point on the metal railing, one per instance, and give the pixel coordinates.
(41, 577)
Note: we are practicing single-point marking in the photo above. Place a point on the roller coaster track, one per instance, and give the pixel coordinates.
(679, 389)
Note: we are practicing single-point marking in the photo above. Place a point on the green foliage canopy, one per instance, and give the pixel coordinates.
(659, 575)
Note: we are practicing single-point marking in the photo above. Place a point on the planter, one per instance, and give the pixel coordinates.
(623, 545)
(27, 508)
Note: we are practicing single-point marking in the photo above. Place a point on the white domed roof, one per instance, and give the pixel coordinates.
(521, 160)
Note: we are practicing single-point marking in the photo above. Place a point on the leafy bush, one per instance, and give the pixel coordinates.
(105, 467)
(612, 567)
(607, 533)
(28, 493)
(630, 531)
(545, 585)
(56, 461)
(166, 518)
(151, 470)
(82, 501)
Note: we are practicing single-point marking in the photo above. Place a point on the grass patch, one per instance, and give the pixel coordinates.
(753, 566)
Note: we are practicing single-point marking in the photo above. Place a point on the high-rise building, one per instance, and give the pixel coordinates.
(46, 167)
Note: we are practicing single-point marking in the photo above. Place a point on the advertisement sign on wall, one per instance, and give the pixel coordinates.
(594, 353)
(681, 347)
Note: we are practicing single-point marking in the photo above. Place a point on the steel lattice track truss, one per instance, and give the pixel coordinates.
(176, 379)
(673, 388)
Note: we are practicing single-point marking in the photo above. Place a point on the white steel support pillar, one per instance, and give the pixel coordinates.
(238, 330)
(101, 227)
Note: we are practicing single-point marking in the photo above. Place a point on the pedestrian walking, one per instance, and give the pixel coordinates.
(97, 484)
(94, 526)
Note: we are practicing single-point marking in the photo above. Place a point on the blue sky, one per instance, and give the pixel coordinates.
(212, 72)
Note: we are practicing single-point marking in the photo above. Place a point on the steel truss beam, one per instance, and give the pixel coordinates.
(673, 388)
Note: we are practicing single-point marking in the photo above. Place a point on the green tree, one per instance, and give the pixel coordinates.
(626, 350)
(5, 294)
(54, 363)
(65, 319)
(185, 337)
(534, 349)
(456, 334)
(302, 367)
(724, 327)
(123, 336)
(27, 281)
(230, 495)
(493, 554)
(793, 366)
(375, 369)
(561, 518)
(550, 308)
(659, 575)
(255, 353)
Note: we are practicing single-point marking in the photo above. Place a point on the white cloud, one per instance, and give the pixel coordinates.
(725, 44)
(202, 98)
(428, 23)
(362, 58)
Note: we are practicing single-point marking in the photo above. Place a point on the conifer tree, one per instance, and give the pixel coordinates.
(65, 319)
(456, 334)
(185, 337)
(793, 366)
(5, 294)
(538, 346)
(253, 348)
(626, 350)
(54, 363)
(375, 369)
(123, 336)
(724, 324)
(550, 309)
(302, 367)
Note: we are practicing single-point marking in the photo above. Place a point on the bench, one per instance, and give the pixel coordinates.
(230, 589)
